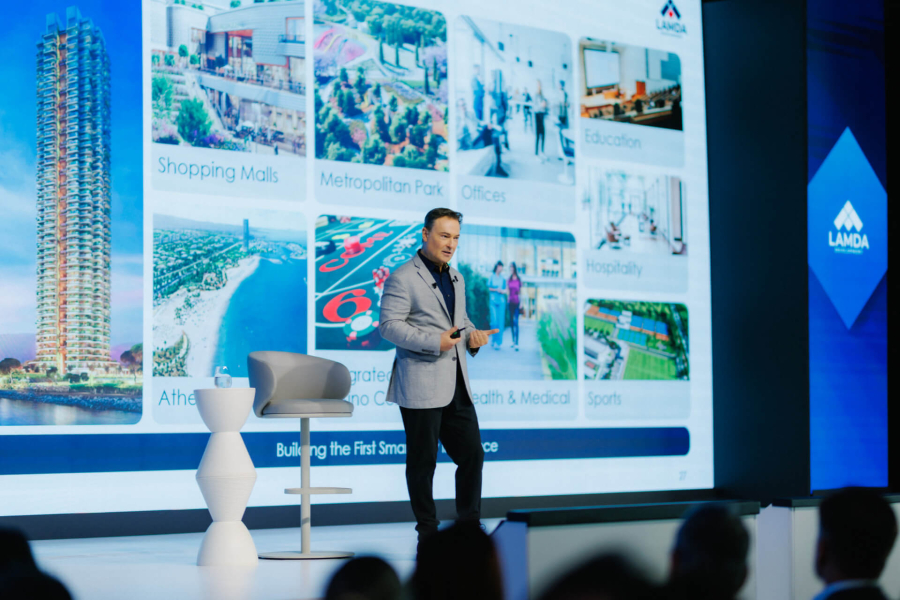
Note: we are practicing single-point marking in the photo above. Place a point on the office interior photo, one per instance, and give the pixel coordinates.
(513, 101)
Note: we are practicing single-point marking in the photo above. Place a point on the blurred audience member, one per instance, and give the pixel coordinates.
(857, 529)
(607, 577)
(20, 578)
(709, 560)
(14, 550)
(364, 578)
(457, 563)
(30, 584)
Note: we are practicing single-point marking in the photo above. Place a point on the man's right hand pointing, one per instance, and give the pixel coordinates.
(479, 337)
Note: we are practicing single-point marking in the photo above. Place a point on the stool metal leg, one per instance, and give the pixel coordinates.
(305, 526)
(306, 490)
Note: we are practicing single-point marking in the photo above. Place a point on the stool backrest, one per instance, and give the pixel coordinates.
(281, 376)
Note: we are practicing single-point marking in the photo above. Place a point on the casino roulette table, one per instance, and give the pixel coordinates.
(354, 256)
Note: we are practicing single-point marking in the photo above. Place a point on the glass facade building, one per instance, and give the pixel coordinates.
(73, 196)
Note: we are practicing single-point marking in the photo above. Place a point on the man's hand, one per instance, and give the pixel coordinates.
(448, 342)
(479, 337)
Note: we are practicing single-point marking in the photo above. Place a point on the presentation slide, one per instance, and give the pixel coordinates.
(248, 177)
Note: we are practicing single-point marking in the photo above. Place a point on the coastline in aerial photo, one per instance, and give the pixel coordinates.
(226, 284)
(381, 84)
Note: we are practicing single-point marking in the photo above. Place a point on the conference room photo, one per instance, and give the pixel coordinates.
(227, 80)
(447, 300)
(630, 84)
(623, 85)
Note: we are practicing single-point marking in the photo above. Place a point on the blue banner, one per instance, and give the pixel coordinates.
(847, 244)
(107, 453)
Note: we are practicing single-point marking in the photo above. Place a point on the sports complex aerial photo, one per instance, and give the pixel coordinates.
(635, 340)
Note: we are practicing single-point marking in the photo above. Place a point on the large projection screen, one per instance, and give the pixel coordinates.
(601, 69)
(248, 175)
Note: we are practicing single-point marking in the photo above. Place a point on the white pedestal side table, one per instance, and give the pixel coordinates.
(226, 477)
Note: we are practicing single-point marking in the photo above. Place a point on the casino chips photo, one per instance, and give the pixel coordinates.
(354, 257)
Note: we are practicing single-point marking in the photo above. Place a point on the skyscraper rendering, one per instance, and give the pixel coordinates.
(73, 196)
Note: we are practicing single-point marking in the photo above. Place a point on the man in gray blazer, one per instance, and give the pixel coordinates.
(423, 312)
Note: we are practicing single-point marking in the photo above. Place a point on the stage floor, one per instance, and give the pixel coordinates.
(164, 566)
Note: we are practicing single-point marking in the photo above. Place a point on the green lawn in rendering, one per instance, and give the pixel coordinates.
(593, 323)
(643, 365)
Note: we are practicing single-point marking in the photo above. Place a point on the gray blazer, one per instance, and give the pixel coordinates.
(413, 316)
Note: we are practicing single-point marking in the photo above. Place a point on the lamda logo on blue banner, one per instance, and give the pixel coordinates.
(844, 197)
(848, 241)
(670, 23)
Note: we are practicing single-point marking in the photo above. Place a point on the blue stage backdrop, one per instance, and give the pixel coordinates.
(847, 236)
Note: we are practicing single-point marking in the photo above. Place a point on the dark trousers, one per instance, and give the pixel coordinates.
(456, 427)
(539, 132)
(514, 321)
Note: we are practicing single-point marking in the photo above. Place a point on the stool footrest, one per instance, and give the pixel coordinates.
(318, 490)
(304, 555)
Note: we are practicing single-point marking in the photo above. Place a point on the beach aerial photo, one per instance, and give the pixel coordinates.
(381, 84)
(71, 211)
(226, 282)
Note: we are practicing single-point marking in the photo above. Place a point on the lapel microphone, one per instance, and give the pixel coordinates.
(434, 285)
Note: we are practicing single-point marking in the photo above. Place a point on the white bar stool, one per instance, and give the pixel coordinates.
(291, 386)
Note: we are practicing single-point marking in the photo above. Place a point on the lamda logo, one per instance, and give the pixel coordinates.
(849, 241)
(670, 23)
(670, 10)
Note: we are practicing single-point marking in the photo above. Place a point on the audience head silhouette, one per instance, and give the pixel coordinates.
(364, 578)
(606, 577)
(709, 560)
(857, 529)
(457, 563)
(27, 584)
(14, 550)
(20, 578)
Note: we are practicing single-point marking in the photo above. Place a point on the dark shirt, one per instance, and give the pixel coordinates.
(444, 283)
(861, 593)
